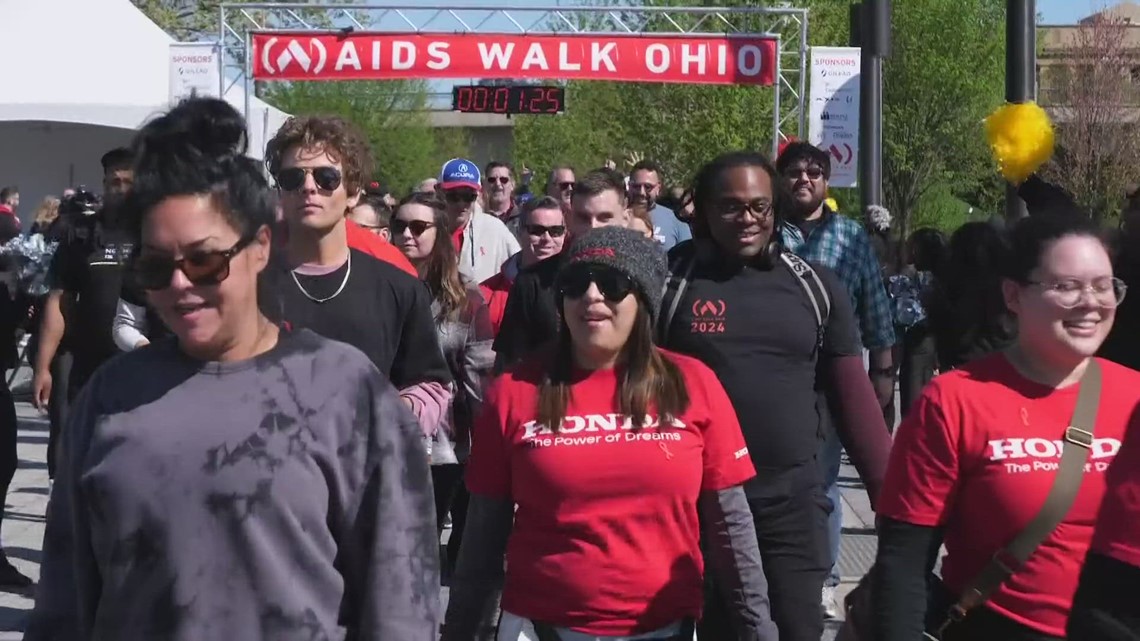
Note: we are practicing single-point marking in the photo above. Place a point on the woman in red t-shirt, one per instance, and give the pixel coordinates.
(605, 542)
(977, 455)
(1105, 606)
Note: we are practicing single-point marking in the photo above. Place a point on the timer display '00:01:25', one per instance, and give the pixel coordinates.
(515, 99)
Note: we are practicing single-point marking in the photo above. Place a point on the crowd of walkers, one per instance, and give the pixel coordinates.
(629, 404)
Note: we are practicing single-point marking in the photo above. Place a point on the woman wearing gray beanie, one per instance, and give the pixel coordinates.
(610, 447)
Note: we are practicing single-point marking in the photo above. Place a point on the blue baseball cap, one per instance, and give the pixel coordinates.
(460, 172)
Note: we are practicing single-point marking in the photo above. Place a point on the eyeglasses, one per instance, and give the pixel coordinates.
(460, 196)
(1106, 292)
(613, 285)
(733, 209)
(502, 180)
(293, 178)
(555, 231)
(794, 173)
(201, 268)
(418, 227)
(566, 186)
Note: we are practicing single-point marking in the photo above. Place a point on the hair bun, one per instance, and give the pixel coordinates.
(196, 127)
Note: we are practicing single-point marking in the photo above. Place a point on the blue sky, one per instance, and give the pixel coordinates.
(1052, 11)
(1068, 11)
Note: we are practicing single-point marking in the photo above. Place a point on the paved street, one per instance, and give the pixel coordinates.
(27, 499)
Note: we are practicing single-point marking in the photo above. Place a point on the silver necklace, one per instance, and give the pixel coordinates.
(347, 273)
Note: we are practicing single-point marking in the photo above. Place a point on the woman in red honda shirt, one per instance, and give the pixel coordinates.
(604, 544)
(979, 451)
(1104, 608)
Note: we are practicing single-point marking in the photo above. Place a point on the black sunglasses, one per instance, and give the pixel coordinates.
(202, 268)
(418, 227)
(555, 231)
(293, 178)
(794, 173)
(613, 285)
(460, 196)
(566, 186)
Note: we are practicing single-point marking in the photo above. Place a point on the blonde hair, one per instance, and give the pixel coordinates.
(47, 211)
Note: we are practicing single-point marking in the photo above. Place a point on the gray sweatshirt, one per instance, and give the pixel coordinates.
(282, 498)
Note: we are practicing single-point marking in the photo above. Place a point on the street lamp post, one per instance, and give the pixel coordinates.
(874, 35)
(1020, 73)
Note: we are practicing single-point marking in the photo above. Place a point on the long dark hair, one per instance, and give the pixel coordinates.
(440, 272)
(646, 378)
(966, 308)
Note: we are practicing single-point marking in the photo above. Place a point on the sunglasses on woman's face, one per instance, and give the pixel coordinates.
(201, 268)
(418, 227)
(293, 178)
(613, 285)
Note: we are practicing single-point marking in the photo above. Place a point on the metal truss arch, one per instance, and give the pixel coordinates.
(238, 21)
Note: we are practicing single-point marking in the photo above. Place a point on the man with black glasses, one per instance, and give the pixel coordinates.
(482, 241)
(560, 185)
(542, 234)
(530, 319)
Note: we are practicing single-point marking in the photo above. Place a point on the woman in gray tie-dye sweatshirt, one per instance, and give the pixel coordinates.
(242, 481)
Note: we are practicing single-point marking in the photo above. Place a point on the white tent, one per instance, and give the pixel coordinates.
(77, 77)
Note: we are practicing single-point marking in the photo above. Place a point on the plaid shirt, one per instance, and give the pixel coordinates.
(842, 245)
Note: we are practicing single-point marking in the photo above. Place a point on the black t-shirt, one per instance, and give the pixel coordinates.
(531, 318)
(381, 311)
(757, 330)
(89, 265)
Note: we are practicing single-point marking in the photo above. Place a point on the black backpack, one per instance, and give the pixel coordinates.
(681, 270)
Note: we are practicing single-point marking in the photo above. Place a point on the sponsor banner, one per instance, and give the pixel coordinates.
(195, 70)
(722, 60)
(833, 117)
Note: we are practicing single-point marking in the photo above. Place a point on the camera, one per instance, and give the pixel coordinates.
(81, 203)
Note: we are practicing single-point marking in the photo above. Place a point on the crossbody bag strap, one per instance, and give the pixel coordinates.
(1070, 472)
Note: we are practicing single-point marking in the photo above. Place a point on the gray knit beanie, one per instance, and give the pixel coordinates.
(627, 251)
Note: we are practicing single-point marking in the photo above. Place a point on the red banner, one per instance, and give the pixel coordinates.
(719, 60)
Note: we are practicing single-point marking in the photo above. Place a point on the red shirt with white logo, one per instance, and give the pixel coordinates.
(1118, 526)
(978, 454)
(605, 539)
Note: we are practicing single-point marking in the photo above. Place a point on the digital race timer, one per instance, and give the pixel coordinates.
(513, 99)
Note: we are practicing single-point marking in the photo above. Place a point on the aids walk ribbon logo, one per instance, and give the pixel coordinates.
(709, 316)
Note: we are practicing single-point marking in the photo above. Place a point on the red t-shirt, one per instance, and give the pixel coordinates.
(978, 454)
(363, 240)
(606, 536)
(495, 291)
(1118, 525)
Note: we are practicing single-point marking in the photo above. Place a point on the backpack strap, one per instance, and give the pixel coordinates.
(816, 292)
(680, 272)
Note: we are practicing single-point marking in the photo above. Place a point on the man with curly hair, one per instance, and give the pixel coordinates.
(328, 285)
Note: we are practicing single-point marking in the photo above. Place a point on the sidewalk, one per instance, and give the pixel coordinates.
(23, 528)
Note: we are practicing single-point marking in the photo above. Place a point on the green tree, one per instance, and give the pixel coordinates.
(392, 114)
(679, 126)
(944, 74)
